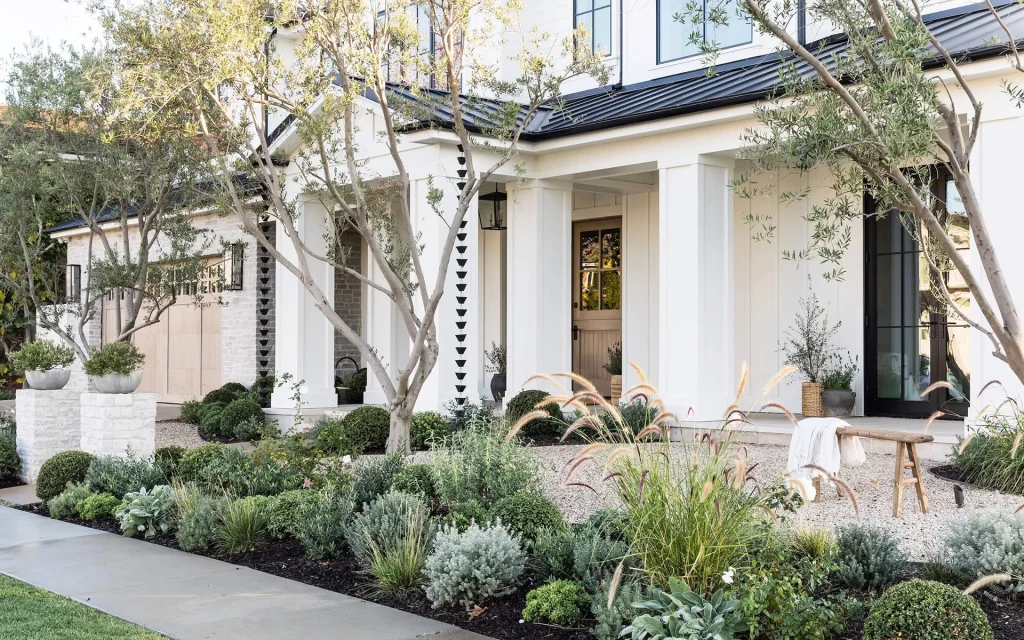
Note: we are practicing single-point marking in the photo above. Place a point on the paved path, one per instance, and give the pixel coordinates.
(188, 597)
(20, 495)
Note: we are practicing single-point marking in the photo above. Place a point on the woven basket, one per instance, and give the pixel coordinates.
(616, 389)
(810, 401)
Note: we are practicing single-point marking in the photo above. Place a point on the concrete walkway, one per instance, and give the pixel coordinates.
(188, 597)
(20, 495)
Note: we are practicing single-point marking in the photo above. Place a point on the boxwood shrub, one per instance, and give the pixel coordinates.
(236, 417)
(561, 602)
(59, 470)
(923, 610)
(527, 513)
(225, 394)
(10, 464)
(525, 402)
(191, 411)
(426, 428)
(364, 429)
(194, 460)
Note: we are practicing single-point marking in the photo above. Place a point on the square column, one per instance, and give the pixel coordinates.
(304, 337)
(539, 327)
(383, 333)
(48, 424)
(459, 366)
(695, 289)
(114, 422)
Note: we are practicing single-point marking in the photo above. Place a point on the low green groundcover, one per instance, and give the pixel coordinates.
(28, 613)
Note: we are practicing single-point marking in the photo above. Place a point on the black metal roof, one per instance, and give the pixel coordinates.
(968, 33)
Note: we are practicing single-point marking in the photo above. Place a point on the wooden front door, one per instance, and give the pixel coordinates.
(597, 298)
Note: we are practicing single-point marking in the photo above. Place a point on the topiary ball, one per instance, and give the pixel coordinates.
(369, 427)
(525, 402)
(209, 418)
(58, 471)
(925, 610)
(225, 394)
(561, 602)
(10, 464)
(426, 428)
(240, 412)
(526, 513)
(416, 479)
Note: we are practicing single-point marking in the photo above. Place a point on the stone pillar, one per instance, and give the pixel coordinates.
(539, 327)
(48, 423)
(303, 336)
(457, 319)
(114, 422)
(695, 289)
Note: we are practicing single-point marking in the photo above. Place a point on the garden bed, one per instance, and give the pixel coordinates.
(501, 619)
(11, 482)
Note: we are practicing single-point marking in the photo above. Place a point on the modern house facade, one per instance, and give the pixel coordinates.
(624, 227)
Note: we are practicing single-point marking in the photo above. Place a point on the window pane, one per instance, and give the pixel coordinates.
(589, 288)
(958, 362)
(603, 30)
(888, 379)
(673, 36)
(918, 368)
(888, 296)
(602, 3)
(737, 31)
(583, 5)
(889, 233)
(590, 250)
(611, 248)
(611, 290)
(587, 22)
(424, 27)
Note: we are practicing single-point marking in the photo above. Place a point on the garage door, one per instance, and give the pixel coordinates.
(182, 350)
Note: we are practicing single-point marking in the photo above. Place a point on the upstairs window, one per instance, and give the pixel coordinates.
(596, 17)
(675, 38)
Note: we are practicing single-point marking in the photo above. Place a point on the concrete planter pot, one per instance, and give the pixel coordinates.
(48, 380)
(838, 403)
(117, 382)
(498, 386)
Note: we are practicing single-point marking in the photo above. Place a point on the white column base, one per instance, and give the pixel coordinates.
(48, 424)
(114, 422)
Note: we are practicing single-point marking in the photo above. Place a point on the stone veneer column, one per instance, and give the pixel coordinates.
(48, 423)
(114, 422)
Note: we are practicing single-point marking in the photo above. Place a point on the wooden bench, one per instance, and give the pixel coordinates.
(906, 458)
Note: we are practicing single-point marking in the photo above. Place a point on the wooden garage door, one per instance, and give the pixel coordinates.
(182, 350)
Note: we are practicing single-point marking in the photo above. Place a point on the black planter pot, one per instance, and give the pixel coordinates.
(498, 386)
(838, 403)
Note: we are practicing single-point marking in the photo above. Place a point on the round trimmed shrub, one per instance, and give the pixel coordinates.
(527, 513)
(236, 416)
(368, 426)
(209, 418)
(58, 471)
(331, 435)
(426, 428)
(526, 401)
(193, 461)
(191, 411)
(10, 465)
(924, 610)
(416, 479)
(98, 505)
(66, 504)
(561, 602)
(225, 394)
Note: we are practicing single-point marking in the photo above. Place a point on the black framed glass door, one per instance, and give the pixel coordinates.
(913, 338)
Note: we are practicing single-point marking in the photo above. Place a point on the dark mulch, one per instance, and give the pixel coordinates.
(501, 619)
(950, 472)
(10, 482)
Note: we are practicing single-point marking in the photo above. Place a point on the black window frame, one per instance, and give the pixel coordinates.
(704, 24)
(576, 13)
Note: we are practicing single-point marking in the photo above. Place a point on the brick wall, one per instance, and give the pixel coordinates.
(348, 301)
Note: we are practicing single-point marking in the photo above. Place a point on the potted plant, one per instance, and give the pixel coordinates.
(808, 347)
(44, 363)
(496, 356)
(115, 368)
(614, 367)
(838, 397)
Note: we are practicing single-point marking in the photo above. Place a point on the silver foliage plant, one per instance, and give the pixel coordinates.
(147, 513)
(473, 566)
(988, 543)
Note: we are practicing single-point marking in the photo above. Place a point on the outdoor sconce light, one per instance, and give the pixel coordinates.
(234, 260)
(72, 282)
(492, 208)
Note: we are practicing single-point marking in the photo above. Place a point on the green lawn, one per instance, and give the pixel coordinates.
(28, 613)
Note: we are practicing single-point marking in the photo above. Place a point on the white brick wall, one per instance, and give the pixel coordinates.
(113, 422)
(48, 423)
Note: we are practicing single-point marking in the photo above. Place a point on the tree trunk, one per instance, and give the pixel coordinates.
(398, 436)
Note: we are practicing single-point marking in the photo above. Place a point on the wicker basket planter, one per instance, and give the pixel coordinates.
(810, 402)
(616, 389)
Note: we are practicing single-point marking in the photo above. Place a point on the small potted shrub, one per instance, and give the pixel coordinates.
(614, 367)
(838, 397)
(808, 347)
(496, 356)
(116, 368)
(44, 363)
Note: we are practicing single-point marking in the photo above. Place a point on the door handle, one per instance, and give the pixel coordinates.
(575, 332)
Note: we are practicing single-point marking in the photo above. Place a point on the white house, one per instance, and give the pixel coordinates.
(624, 227)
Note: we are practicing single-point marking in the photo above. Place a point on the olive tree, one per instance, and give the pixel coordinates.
(882, 115)
(221, 61)
(69, 153)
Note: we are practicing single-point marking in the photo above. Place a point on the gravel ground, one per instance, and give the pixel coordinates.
(872, 483)
(179, 434)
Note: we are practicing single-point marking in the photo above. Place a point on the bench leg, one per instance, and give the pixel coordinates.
(897, 499)
(922, 499)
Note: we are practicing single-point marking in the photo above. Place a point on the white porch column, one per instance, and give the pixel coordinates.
(458, 369)
(539, 328)
(695, 289)
(382, 332)
(304, 338)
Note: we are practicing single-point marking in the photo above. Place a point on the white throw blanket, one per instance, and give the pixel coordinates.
(814, 442)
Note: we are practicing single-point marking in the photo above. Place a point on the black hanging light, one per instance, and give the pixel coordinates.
(493, 210)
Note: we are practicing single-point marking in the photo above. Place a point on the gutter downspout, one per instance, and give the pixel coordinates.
(622, 45)
(266, 58)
